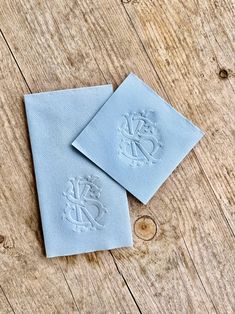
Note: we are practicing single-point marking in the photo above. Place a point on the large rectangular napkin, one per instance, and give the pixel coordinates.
(82, 208)
(137, 138)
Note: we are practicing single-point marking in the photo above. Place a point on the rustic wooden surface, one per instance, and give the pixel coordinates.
(183, 258)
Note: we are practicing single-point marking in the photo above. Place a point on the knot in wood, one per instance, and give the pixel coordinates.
(145, 228)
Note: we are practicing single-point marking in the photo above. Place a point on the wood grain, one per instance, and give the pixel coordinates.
(200, 60)
(30, 281)
(23, 274)
(183, 257)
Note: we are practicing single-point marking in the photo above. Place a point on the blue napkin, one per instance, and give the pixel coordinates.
(137, 138)
(82, 209)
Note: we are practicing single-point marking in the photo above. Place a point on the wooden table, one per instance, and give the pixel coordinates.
(183, 258)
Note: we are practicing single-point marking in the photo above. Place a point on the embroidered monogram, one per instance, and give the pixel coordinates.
(139, 139)
(84, 211)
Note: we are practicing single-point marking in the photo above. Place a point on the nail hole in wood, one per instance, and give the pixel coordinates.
(223, 74)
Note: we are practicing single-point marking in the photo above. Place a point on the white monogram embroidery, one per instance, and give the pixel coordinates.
(84, 210)
(139, 139)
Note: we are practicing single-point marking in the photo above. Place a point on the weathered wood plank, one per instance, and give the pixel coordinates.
(191, 45)
(29, 280)
(186, 215)
(77, 43)
(25, 276)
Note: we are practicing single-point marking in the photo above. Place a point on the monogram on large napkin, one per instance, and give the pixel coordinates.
(82, 208)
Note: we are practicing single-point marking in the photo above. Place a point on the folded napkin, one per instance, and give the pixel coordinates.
(82, 208)
(137, 138)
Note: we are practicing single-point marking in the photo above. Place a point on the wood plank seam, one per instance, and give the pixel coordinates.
(14, 58)
(7, 299)
(124, 279)
(69, 288)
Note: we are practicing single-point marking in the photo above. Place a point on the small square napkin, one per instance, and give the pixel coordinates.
(137, 138)
(82, 208)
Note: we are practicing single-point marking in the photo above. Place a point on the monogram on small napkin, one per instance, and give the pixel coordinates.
(137, 138)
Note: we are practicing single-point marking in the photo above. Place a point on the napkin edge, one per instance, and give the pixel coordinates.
(67, 90)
